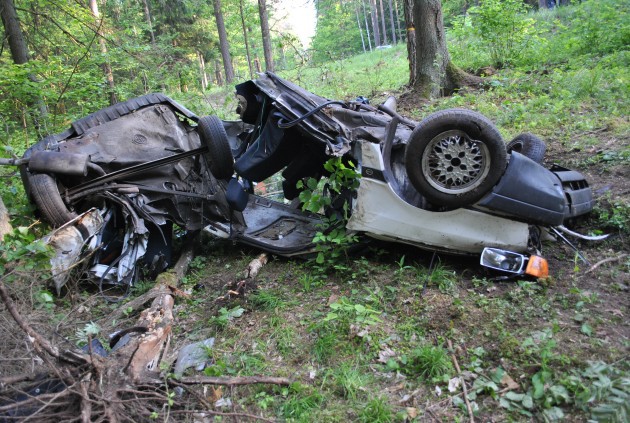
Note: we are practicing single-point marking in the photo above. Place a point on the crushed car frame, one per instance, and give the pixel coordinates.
(448, 183)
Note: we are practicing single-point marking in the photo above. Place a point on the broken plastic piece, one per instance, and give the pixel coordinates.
(537, 267)
(193, 355)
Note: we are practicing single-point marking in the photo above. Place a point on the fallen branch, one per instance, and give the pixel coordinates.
(233, 381)
(238, 289)
(607, 260)
(461, 378)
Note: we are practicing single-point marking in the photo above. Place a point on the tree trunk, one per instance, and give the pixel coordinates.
(202, 71)
(245, 37)
(411, 40)
(391, 21)
(20, 56)
(147, 17)
(542, 4)
(266, 38)
(367, 27)
(356, 10)
(107, 69)
(375, 30)
(382, 13)
(223, 43)
(13, 32)
(400, 33)
(217, 73)
(5, 224)
(433, 74)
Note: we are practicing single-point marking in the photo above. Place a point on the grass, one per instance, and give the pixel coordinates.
(367, 344)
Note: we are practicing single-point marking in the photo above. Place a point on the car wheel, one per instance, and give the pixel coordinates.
(454, 157)
(45, 194)
(529, 145)
(219, 156)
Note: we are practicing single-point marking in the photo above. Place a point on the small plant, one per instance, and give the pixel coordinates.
(376, 410)
(266, 300)
(300, 401)
(347, 312)
(226, 316)
(427, 362)
(348, 380)
(331, 195)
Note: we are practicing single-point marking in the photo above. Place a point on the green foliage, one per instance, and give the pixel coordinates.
(337, 35)
(348, 380)
(504, 29)
(377, 410)
(427, 362)
(21, 253)
(333, 241)
(226, 316)
(345, 312)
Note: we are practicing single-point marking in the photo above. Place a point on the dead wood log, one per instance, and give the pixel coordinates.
(5, 225)
(126, 385)
(237, 289)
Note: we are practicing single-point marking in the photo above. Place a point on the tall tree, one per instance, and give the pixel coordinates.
(391, 20)
(224, 45)
(431, 71)
(375, 30)
(356, 10)
(246, 39)
(266, 37)
(382, 14)
(147, 17)
(13, 32)
(367, 27)
(107, 69)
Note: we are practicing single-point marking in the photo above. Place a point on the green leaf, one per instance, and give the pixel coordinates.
(528, 401)
(586, 329)
(538, 385)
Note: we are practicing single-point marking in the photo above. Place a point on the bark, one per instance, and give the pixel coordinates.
(13, 32)
(107, 69)
(400, 33)
(19, 54)
(542, 4)
(367, 27)
(147, 17)
(217, 73)
(202, 71)
(391, 21)
(246, 38)
(382, 13)
(266, 38)
(432, 74)
(223, 44)
(375, 30)
(411, 40)
(356, 11)
(5, 225)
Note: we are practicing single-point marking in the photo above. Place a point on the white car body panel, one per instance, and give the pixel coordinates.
(380, 213)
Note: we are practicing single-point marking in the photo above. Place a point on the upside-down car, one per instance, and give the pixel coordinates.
(448, 183)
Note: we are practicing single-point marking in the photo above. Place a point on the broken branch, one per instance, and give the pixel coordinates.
(607, 260)
(461, 378)
(233, 381)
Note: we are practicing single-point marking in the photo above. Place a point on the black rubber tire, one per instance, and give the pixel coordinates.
(448, 181)
(45, 194)
(529, 145)
(219, 156)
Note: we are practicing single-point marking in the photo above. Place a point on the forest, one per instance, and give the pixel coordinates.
(381, 333)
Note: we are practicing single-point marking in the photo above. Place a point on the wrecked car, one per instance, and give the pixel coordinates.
(448, 183)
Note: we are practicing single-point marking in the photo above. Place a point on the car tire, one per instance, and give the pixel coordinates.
(219, 156)
(45, 194)
(454, 157)
(529, 145)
